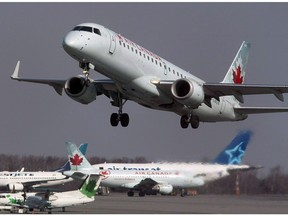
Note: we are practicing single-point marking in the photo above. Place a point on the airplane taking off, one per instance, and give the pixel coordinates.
(49, 200)
(151, 178)
(139, 75)
(26, 180)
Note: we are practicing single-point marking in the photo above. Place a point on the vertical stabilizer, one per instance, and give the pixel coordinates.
(90, 185)
(66, 166)
(76, 159)
(234, 152)
(237, 70)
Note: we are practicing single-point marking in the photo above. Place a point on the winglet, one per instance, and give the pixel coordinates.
(16, 71)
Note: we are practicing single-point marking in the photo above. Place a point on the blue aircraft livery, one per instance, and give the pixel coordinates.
(234, 152)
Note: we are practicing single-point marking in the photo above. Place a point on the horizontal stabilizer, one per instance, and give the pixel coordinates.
(259, 110)
(243, 168)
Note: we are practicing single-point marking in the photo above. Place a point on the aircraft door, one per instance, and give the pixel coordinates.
(165, 68)
(112, 43)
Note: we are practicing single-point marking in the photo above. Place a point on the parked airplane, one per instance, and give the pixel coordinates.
(139, 75)
(18, 181)
(161, 177)
(50, 200)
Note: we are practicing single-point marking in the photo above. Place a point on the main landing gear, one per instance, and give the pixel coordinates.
(123, 118)
(189, 119)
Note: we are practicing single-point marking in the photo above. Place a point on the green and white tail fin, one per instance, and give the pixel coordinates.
(90, 185)
(237, 70)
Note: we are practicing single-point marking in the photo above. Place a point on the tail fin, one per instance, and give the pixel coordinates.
(234, 152)
(237, 70)
(90, 185)
(77, 160)
(66, 166)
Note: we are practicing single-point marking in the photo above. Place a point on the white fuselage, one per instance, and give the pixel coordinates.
(35, 179)
(179, 175)
(39, 200)
(134, 69)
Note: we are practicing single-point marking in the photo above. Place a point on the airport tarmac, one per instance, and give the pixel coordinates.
(119, 203)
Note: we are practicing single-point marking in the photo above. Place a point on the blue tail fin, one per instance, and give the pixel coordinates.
(66, 166)
(234, 152)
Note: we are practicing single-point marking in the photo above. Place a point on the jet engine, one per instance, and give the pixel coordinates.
(79, 90)
(163, 189)
(188, 92)
(15, 187)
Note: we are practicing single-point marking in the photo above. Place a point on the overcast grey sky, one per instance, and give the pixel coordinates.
(199, 37)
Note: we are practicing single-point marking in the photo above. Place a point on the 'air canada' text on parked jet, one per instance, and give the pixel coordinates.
(150, 178)
(139, 75)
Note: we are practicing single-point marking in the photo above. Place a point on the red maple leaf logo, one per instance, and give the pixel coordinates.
(105, 174)
(76, 160)
(237, 78)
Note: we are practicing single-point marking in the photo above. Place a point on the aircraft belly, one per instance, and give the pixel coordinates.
(220, 111)
(144, 92)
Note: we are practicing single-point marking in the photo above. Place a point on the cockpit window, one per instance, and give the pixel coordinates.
(87, 29)
(83, 28)
(97, 31)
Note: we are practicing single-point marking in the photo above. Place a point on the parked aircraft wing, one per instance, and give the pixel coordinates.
(259, 110)
(147, 183)
(242, 168)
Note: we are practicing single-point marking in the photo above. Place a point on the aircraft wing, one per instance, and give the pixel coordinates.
(102, 86)
(216, 90)
(242, 168)
(259, 110)
(147, 183)
(237, 90)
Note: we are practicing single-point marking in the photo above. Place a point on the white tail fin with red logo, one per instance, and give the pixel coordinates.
(237, 70)
(76, 159)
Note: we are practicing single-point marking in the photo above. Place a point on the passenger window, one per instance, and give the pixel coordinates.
(148, 57)
(124, 45)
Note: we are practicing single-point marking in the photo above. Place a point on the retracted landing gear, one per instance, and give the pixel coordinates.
(123, 118)
(189, 119)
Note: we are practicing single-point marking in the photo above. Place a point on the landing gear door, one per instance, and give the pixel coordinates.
(112, 43)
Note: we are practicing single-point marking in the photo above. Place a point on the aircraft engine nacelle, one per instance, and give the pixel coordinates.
(15, 187)
(77, 89)
(163, 189)
(188, 92)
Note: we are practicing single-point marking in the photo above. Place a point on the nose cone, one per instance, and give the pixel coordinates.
(72, 44)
